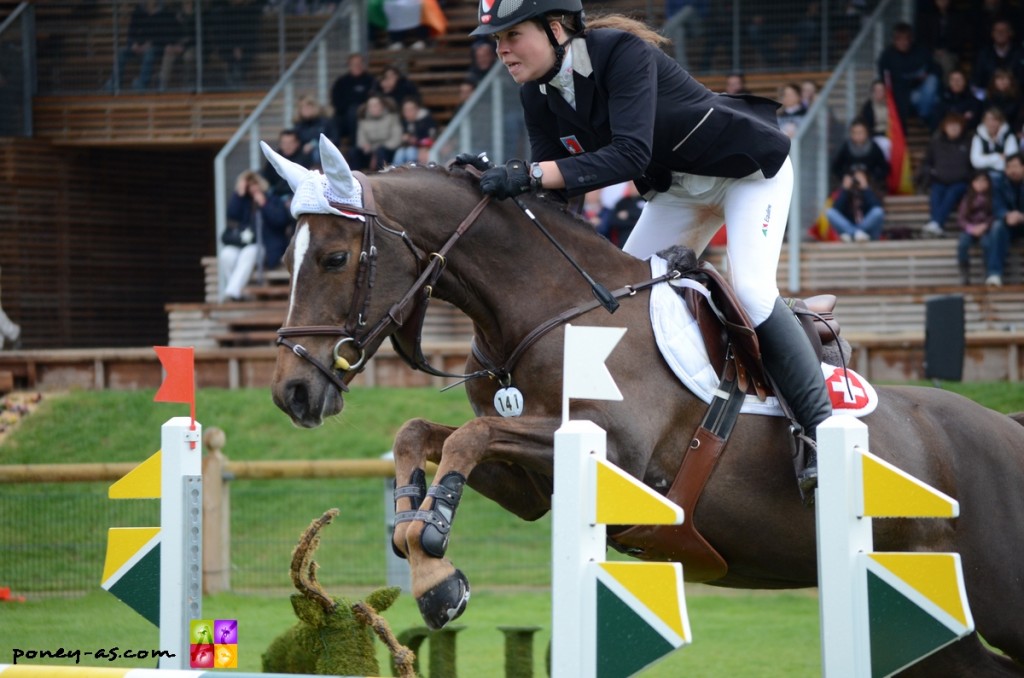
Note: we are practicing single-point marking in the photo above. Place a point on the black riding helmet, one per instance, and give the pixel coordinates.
(497, 15)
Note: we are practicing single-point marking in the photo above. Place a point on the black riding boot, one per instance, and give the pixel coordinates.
(793, 366)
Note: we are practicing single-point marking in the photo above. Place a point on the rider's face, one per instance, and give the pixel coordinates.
(525, 50)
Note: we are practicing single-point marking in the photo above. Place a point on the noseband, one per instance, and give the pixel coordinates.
(431, 266)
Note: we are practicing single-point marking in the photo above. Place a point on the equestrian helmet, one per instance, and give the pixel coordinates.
(497, 15)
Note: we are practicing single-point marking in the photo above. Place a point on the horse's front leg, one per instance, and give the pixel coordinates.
(441, 591)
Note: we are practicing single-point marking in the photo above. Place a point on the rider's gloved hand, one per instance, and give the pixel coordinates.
(506, 182)
(479, 161)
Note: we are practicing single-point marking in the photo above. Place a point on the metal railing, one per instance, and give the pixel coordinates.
(313, 72)
(825, 126)
(17, 71)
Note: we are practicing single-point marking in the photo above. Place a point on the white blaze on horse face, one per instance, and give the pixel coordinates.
(299, 248)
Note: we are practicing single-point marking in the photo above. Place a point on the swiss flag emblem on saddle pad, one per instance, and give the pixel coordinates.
(850, 393)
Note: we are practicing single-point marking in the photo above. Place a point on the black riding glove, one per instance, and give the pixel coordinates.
(506, 182)
(479, 161)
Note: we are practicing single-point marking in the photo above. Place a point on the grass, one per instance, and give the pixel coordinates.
(52, 535)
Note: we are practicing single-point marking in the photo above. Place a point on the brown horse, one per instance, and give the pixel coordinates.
(356, 281)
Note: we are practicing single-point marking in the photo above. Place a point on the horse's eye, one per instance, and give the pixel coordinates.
(335, 261)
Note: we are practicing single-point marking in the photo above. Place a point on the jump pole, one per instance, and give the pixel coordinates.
(880, 612)
(609, 619)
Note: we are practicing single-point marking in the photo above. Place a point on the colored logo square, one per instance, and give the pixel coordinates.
(225, 632)
(201, 656)
(225, 656)
(201, 632)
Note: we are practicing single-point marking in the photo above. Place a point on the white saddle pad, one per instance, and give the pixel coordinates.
(682, 347)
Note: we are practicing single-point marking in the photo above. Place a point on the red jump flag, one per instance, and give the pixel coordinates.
(901, 180)
(179, 386)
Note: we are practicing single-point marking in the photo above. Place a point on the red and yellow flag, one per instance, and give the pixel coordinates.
(901, 180)
(179, 386)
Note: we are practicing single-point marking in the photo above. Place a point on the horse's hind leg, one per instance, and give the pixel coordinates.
(441, 591)
(966, 657)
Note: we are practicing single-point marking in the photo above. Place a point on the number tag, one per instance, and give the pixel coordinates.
(509, 401)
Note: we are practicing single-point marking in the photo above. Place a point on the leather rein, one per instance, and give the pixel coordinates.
(413, 303)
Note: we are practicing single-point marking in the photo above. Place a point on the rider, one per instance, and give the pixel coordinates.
(604, 104)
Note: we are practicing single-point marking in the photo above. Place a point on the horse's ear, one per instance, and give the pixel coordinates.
(336, 169)
(292, 172)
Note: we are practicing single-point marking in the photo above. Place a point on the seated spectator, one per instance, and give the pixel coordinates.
(875, 114)
(942, 30)
(258, 224)
(348, 93)
(1004, 93)
(10, 332)
(808, 92)
(736, 83)
(180, 43)
(999, 52)
(379, 134)
(856, 213)
(483, 56)
(792, 110)
(993, 142)
(974, 218)
(150, 29)
(608, 197)
(394, 85)
(233, 27)
(913, 75)
(945, 171)
(623, 215)
(860, 150)
(290, 146)
(418, 133)
(405, 24)
(985, 16)
(1008, 225)
(309, 123)
(956, 97)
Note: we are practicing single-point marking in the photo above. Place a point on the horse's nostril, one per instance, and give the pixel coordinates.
(297, 396)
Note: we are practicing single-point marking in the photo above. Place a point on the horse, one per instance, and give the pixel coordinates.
(370, 251)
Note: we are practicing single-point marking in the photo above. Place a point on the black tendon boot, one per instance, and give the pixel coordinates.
(790, 360)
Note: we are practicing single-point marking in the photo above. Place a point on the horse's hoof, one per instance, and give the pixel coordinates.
(445, 602)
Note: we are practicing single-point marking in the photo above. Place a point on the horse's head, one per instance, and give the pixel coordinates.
(337, 296)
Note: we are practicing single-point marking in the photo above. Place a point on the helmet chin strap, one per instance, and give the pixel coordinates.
(559, 54)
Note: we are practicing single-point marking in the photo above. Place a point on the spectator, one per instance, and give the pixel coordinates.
(259, 225)
(993, 142)
(942, 30)
(234, 27)
(914, 75)
(466, 89)
(380, 132)
(608, 198)
(10, 332)
(875, 114)
(792, 110)
(181, 43)
(405, 24)
(984, 18)
(1008, 225)
(945, 171)
(956, 97)
(808, 92)
(348, 93)
(309, 123)
(975, 220)
(857, 213)
(806, 36)
(1004, 93)
(150, 28)
(418, 133)
(397, 87)
(860, 150)
(736, 83)
(483, 57)
(290, 146)
(624, 214)
(999, 52)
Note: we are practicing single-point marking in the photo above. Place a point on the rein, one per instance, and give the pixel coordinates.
(414, 302)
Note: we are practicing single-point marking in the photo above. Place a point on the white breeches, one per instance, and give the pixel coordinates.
(754, 210)
(236, 267)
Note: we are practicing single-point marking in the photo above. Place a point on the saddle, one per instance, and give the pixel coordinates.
(734, 352)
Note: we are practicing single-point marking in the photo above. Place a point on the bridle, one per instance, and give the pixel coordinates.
(431, 266)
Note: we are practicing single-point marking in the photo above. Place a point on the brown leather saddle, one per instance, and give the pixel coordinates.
(734, 353)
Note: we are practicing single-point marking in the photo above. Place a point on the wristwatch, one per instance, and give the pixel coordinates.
(536, 175)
